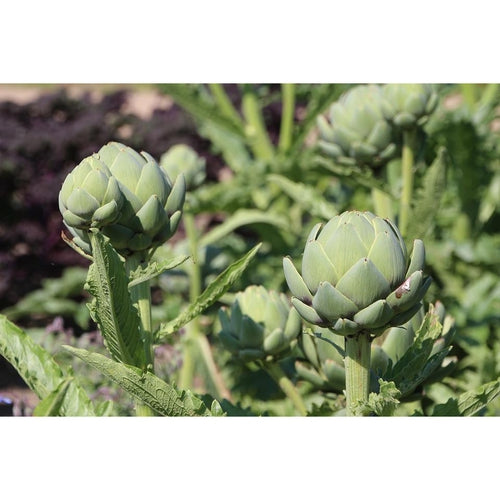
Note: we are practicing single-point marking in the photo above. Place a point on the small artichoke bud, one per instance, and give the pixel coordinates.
(90, 196)
(408, 105)
(355, 131)
(126, 195)
(356, 275)
(260, 324)
(181, 159)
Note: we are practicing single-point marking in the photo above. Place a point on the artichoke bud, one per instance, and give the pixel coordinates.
(259, 324)
(181, 159)
(126, 195)
(408, 105)
(355, 130)
(355, 275)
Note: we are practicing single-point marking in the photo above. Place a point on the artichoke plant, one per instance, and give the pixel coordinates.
(321, 361)
(124, 194)
(356, 275)
(261, 325)
(408, 105)
(181, 159)
(355, 131)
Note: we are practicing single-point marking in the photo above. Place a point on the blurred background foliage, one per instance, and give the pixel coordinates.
(264, 182)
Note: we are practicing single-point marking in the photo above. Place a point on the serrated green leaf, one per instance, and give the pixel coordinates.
(153, 269)
(428, 198)
(382, 404)
(39, 370)
(213, 292)
(163, 398)
(243, 218)
(306, 196)
(51, 405)
(112, 307)
(470, 402)
(414, 366)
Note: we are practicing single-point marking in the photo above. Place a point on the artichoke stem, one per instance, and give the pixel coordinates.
(224, 103)
(287, 115)
(141, 296)
(408, 158)
(357, 370)
(382, 203)
(286, 386)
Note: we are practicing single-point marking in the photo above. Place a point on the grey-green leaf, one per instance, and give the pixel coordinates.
(112, 308)
(39, 370)
(51, 406)
(243, 218)
(469, 403)
(163, 398)
(213, 292)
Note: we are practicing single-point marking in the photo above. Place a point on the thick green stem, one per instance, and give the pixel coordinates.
(408, 159)
(141, 296)
(286, 386)
(287, 115)
(382, 204)
(357, 370)
(224, 103)
(255, 128)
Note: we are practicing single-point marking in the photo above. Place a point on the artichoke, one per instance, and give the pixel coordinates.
(356, 131)
(356, 276)
(124, 194)
(321, 360)
(408, 105)
(261, 324)
(181, 159)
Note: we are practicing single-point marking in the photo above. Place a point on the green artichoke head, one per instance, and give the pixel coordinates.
(260, 324)
(126, 195)
(408, 105)
(355, 131)
(356, 275)
(181, 159)
(90, 195)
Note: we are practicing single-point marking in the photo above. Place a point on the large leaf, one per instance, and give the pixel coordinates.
(243, 218)
(469, 403)
(39, 370)
(112, 307)
(213, 292)
(428, 198)
(163, 398)
(306, 196)
(51, 406)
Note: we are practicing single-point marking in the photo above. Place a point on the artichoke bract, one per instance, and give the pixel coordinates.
(260, 324)
(356, 276)
(124, 194)
(408, 105)
(355, 131)
(181, 159)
